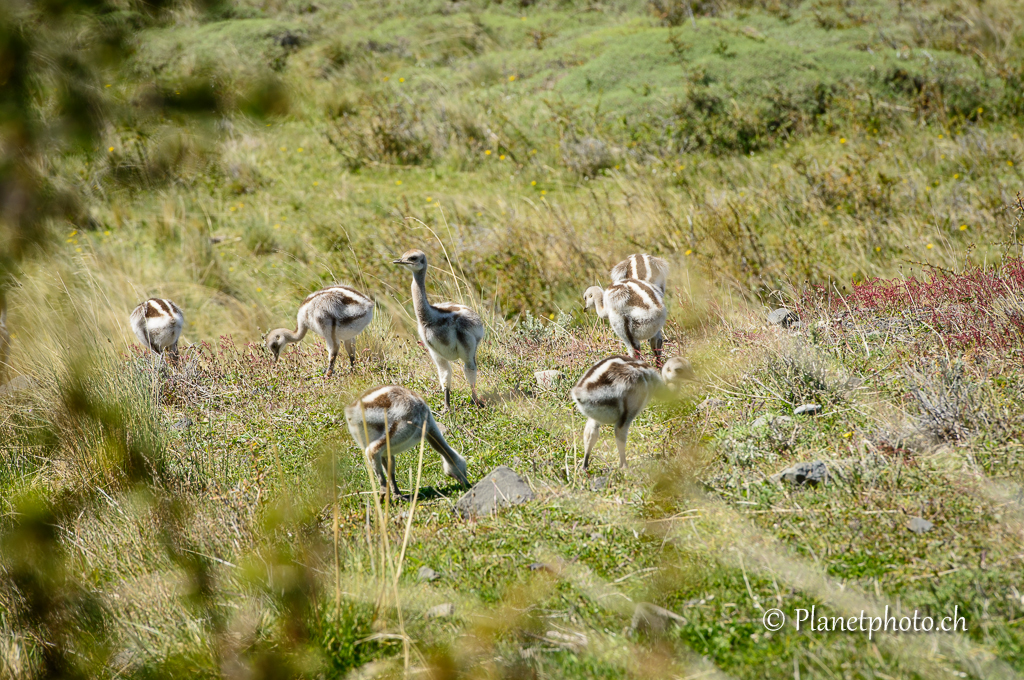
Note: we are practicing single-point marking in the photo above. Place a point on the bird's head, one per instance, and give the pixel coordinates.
(676, 370)
(276, 341)
(591, 296)
(415, 260)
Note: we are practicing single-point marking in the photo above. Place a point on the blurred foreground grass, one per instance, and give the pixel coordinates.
(215, 519)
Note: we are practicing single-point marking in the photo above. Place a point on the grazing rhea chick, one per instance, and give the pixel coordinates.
(645, 267)
(636, 311)
(614, 392)
(400, 413)
(336, 313)
(157, 324)
(449, 331)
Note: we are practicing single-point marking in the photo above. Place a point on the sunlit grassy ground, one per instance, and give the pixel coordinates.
(215, 519)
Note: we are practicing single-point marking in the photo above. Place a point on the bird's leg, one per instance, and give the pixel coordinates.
(396, 494)
(350, 346)
(374, 452)
(621, 432)
(471, 378)
(589, 439)
(657, 343)
(444, 375)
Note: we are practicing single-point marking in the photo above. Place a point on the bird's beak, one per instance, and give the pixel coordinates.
(399, 262)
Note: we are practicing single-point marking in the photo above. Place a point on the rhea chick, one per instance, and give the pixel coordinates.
(614, 392)
(157, 324)
(400, 413)
(645, 267)
(337, 314)
(636, 311)
(449, 331)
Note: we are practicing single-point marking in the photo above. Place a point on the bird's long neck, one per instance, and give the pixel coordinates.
(424, 310)
(599, 306)
(299, 333)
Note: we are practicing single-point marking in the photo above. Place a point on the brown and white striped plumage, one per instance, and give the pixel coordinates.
(401, 413)
(614, 392)
(157, 323)
(634, 308)
(449, 331)
(645, 267)
(337, 314)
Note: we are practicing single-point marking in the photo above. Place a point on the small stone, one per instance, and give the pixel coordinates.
(807, 410)
(501, 488)
(710, 404)
(598, 483)
(540, 566)
(441, 611)
(182, 424)
(427, 574)
(650, 618)
(920, 526)
(548, 380)
(852, 384)
(783, 317)
(19, 383)
(574, 641)
(805, 473)
(771, 419)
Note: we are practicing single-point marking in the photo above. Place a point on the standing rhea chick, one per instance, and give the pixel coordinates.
(636, 311)
(337, 314)
(449, 331)
(645, 267)
(157, 324)
(614, 392)
(393, 417)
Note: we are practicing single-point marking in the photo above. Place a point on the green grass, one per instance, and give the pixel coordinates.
(181, 520)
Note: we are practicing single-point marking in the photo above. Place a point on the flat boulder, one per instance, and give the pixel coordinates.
(501, 488)
(783, 317)
(440, 611)
(427, 574)
(548, 380)
(919, 525)
(807, 410)
(802, 474)
(650, 618)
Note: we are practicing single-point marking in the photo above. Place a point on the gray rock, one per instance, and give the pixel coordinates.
(710, 404)
(427, 574)
(852, 384)
(548, 380)
(19, 383)
(598, 483)
(501, 488)
(650, 618)
(805, 473)
(920, 526)
(182, 424)
(771, 419)
(807, 410)
(540, 566)
(783, 317)
(577, 642)
(440, 611)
